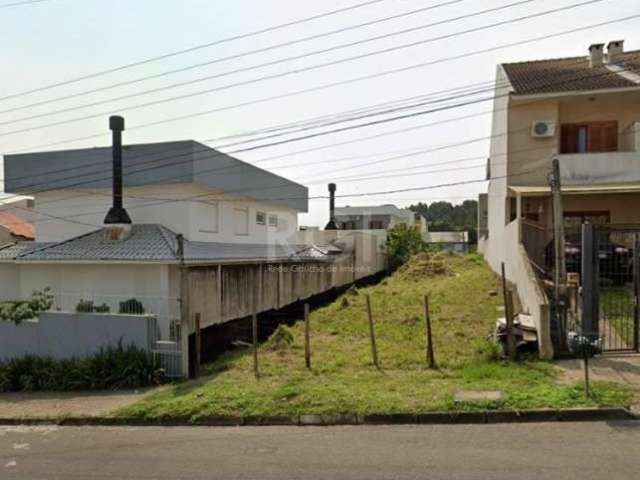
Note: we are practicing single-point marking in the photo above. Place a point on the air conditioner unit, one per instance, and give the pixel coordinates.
(543, 129)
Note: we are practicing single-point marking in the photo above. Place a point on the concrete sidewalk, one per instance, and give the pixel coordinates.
(60, 404)
(621, 368)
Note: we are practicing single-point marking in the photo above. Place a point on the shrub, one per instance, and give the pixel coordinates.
(112, 368)
(131, 306)
(104, 308)
(84, 306)
(402, 242)
(20, 310)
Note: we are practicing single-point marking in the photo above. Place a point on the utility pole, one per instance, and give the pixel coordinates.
(560, 270)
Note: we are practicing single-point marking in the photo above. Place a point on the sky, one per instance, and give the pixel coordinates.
(56, 40)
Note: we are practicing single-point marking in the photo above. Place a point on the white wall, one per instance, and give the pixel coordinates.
(101, 283)
(210, 217)
(494, 247)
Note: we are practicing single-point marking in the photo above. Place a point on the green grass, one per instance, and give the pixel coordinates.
(617, 305)
(463, 294)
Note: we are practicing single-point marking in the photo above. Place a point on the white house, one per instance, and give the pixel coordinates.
(378, 217)
(186, 186)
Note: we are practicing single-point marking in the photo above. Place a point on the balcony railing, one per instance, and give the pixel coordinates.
(599, 168)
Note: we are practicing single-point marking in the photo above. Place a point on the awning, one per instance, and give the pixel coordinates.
(533, 191)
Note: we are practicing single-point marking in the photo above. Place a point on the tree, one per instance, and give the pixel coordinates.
(19, 310)
(402, 242)
(443, 216)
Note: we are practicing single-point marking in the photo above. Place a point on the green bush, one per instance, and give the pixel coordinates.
(84, 306)
(131, 306)
(402, 243)
(112, 368)
(18, 311)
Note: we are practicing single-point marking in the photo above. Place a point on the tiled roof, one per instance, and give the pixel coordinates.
(12, 250)
(149, 243)
(375, 210)
(568, 75)
(17, 226)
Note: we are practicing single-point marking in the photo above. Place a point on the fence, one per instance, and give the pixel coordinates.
(65, 335)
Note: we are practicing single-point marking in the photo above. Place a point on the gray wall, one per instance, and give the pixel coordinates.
(66, 335)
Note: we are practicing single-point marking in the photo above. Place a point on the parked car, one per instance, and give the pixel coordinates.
(615, 261)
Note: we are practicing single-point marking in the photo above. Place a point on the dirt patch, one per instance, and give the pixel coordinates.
(58, 404)
(425, 265)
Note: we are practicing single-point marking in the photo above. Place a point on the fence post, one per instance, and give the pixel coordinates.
(307, 341)
(198, 342)
(431, 361)
(372, 334)
(508, 313)
(254, 322)
(590, 307)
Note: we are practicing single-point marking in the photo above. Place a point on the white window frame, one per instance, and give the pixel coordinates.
(216, 224)
(264, 218)
(274, 223)
(246, 216)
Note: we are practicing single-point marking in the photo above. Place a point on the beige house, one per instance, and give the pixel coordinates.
(583, 110)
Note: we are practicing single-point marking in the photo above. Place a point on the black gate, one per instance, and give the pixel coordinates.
(610, 279)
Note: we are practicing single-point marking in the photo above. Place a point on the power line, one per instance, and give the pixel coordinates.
(331, 63)
(19, 4)
(213, 154)
(366, 77)
(191, 49)
(247, 53)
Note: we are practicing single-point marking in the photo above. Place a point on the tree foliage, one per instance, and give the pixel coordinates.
(19, 310)
(444, 216)
(402, 242)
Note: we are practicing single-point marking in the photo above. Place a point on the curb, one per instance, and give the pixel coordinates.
(428, 418)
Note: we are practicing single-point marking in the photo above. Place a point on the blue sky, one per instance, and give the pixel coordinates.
(60, 39)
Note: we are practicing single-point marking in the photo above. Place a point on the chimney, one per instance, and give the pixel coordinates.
(615, 52)
(332, 208)
(596, 55)
(117, 222)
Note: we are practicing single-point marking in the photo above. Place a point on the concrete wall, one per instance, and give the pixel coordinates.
(212, 217)
(494, 246)
(519, 272)
(100, 283)
(527, 152)
(65, 335)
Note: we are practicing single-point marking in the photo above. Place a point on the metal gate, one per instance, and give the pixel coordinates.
(610, 280)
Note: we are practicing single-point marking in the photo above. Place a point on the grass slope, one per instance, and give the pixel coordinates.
(463, 294)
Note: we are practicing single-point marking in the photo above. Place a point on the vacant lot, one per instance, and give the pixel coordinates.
(464, 296)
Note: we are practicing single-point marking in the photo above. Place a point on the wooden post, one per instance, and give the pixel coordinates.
(587, 392)
(372, 334)
(431, 361)
(255, 343)
(307, 341)
(508, 313)
(196, 367)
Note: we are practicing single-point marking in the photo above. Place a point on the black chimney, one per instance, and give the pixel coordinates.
(332, 208)
(117, 214)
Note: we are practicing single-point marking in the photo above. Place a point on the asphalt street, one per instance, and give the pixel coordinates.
(507, 451)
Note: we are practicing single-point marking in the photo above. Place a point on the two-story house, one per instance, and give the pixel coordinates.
(584, 111)
(378, 217)
(227, 211)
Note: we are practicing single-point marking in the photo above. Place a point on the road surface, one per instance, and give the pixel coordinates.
(523, 451)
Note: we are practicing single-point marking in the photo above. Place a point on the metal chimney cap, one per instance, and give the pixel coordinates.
(332, 187)
(116, 123)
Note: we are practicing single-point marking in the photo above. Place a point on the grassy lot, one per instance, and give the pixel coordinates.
(464, 295)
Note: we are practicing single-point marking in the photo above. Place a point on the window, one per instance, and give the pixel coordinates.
(273, 220)
(261, 218)
(591, 137)
(207, 215)
(241, 221)
(376, 225)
